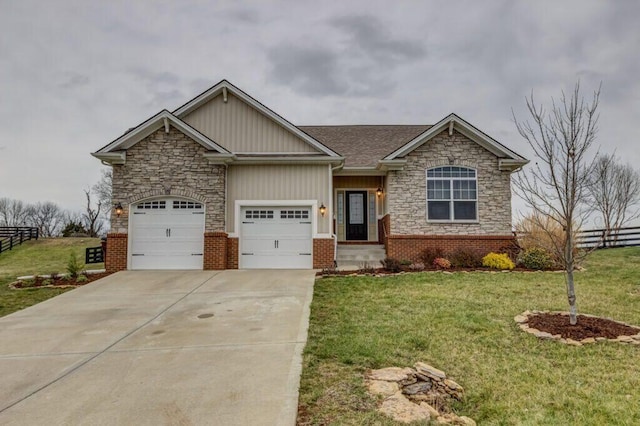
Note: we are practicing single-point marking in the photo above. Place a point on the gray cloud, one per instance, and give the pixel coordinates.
(313, 71)
(73, 79)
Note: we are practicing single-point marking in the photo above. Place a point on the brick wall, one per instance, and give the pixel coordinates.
(407, 195)
(215, 250)
(409, 247)
(323, 253)
(232, 253)
(116, 259)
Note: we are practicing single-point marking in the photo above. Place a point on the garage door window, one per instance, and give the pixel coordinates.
(294, 214)
(259, 214)
(152, 205)
(187, 205)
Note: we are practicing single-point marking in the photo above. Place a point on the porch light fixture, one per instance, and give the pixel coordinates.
(118, 209)
(323, 209)
(379, 191)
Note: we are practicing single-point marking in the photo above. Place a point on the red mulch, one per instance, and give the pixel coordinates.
(586, 326)
(59, 281)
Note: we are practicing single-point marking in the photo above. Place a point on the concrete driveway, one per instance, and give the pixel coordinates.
(153, 348)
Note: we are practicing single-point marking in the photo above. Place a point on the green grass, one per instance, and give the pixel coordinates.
(43, 256)
(463, 324)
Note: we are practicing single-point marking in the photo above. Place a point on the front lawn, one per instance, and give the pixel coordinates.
(44, 256)
(463, 324)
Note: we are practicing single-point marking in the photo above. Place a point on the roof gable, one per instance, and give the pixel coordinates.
(508, 159)
(230, 93)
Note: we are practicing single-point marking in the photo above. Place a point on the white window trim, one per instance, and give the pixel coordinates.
(451, 201)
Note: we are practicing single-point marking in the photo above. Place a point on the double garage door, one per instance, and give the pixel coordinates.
(168, 233)
(276, 238)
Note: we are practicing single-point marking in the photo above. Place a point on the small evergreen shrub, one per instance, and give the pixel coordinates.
(498, 261)
(82, 279)
(391, 264)
(74, 266)
(465, 258)
(441, 263)
(535, 258)
(428, 255)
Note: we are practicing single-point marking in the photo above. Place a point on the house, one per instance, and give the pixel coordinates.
(224, 182)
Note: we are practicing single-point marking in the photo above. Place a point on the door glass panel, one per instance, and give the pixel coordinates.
(356, 209)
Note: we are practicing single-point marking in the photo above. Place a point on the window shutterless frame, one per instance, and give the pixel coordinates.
(452, 194)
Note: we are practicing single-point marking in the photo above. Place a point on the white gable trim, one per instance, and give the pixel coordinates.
(224, 85)
(158, 121)
(466, 129)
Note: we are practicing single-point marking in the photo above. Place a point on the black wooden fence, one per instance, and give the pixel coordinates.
(11, 236)
(609, 238)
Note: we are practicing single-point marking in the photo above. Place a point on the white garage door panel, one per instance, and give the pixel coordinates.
(167, 234)
(276, 238)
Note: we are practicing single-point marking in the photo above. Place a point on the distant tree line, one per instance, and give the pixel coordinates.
(53, 221)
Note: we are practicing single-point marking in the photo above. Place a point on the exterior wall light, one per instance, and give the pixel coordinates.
(118, 209)
(379, 191)
(323, 209)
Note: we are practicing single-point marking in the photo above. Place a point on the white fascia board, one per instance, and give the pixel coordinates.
(463, 127)
(217, 89)
(288, 160)
(359, 171)
(219, 158)
(508, 164)
(112, 158)
(396, 164)
(155, 123)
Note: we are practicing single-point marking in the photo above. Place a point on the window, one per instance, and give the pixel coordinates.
(452, 194)
(186, 205)
(258, 214)
(151, 205)
(294, 214)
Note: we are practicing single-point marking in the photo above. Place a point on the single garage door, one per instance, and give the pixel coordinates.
(167, 234)
(276, 238)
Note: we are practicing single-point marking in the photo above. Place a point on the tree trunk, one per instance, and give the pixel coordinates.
(571, 296)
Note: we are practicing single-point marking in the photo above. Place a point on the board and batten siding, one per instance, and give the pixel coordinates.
(239, 127)
(279, 182)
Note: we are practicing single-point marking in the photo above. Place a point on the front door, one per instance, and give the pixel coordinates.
(356, 215)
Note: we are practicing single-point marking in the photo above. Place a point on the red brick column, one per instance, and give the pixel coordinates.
(323, 253)
(232, 253)
(116, 259)
(409, 247)
(215, 250)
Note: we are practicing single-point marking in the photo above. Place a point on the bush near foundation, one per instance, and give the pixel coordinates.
(535, 258)
(465, 258)
(499, 261)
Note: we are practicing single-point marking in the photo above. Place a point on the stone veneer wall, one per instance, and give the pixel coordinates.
(169, 164)
(323, 253)
(407, 194)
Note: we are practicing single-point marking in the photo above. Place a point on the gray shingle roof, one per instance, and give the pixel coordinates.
(364, 145)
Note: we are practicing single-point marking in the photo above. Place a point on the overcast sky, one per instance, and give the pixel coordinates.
(74, 75)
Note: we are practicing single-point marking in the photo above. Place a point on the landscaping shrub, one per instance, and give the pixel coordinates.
(498, 261)
(535, 258)
(441, 263)
(82, 279)
(74, 266)
(428, 255)
(465, 258)
(391, 264)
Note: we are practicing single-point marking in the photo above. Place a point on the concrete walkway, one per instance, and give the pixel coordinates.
(154, 348)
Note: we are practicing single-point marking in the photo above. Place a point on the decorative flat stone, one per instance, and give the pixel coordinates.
(399, 408)
(429, 371)
(391, 374)
(420, 387)
(380, 387)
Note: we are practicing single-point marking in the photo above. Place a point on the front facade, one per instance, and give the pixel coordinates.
(223, 182)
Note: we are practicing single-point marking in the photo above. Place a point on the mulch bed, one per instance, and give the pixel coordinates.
(382, 271)
(586, 326)
(62, 282)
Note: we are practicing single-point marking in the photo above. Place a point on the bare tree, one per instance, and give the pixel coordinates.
(13, 212)
(102, 189)
(557, 185)
(47, 217)
(615, 191)
(91, 216)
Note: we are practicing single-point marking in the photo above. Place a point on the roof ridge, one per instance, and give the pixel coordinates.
(364, 125)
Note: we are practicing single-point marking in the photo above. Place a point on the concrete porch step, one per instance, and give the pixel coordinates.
(353, 257)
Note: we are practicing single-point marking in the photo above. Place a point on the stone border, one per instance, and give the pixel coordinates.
(522, 319)
(12, 285)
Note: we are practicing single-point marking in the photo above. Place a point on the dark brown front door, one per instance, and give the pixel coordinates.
(356, 215)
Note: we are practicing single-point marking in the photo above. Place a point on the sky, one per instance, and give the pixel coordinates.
(74, 75)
